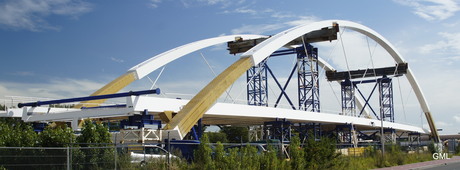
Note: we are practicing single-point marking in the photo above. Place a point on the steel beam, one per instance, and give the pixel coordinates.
(99, 97)
(399, 69)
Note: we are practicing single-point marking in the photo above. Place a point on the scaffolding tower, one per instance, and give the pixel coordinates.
(256, 78)
(308, 82)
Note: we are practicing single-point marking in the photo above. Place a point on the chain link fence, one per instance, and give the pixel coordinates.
(105, 157)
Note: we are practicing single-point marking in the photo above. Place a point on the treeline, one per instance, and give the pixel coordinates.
(15, 133)
(311, 155)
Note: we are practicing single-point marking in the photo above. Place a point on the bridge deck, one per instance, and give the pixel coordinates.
(219, 114)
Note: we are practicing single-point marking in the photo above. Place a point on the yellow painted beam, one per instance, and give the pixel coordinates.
(202, 102)
(113, 87)
(166, 116)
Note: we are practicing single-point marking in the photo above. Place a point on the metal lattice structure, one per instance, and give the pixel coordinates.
(308, 82)
(256, 78)
(386, 99)
(348, 98)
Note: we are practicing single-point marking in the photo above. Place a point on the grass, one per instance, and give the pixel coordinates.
(393, 157)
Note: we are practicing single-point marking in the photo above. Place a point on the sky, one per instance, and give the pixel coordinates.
(70, 48)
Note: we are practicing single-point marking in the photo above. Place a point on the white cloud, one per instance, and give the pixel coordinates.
(117, 60)
(281, 15)
(269, 28)
(56, 88)
(257, 29)
(457, 118)
(442, 124)
(247, 10)
(450, 44)
(23, 73)
(212, 2)
(191, 3)
(154, 3)
(432, 9)
(30, 14)
(302, 20)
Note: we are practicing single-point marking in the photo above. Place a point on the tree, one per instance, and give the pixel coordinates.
(320, 154)
(95, 135)
(202, 156)
(236, 134)
(215, 137)
(220, 156)
(296, 154)
(15, 133)
(56, 137)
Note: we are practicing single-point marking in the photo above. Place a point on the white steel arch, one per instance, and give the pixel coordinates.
(150, 65)
(267, 47)
(143, 69)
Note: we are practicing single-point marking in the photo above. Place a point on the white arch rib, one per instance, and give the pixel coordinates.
(267, 47)
(150, 65)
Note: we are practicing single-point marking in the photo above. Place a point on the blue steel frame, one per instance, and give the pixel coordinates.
(197, 130)
(141, 120)
(308, 82)
(348, 97)
(256, 78)
(385, 97)
(279, 129)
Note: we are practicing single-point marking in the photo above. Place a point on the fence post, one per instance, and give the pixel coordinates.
(115, 150)
(169, 152)
(68, 158)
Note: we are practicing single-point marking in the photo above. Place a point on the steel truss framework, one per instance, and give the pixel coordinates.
(307, 80)
(257, 91)
(385, 98)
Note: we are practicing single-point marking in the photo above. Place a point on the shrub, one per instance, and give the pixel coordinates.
(321, 154)
(203, 155)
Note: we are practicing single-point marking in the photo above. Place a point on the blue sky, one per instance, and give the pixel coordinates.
(70, 48)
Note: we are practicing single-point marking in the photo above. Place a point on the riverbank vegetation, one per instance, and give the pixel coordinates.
(307, 154)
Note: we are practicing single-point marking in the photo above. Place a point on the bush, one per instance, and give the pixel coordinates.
(56, 137)
(215, 137)
(203, 155)
(321, 154)
(296, 154)
(236, 134)
(457, 149)
(94, 135)
(15, 133)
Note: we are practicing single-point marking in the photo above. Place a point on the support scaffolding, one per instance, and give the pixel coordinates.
(278, 129)
(256, 78)
(386, 99)
(307, 76)
(348, 98)
(385, 90)
(309, 130)
(308, 82)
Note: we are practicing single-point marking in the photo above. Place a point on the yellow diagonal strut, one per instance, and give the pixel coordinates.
(113, 87)
(202, 102)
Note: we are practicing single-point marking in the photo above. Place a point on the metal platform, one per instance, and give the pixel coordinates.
(219, 114)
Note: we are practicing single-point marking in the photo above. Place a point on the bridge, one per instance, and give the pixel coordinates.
(357, 120)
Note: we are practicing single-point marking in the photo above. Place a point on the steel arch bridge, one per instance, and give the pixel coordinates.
(203, 104)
